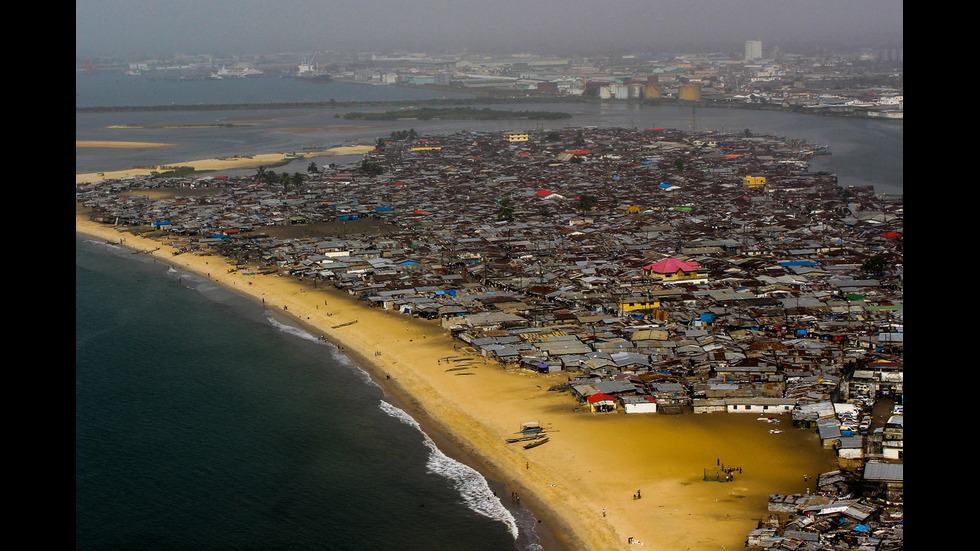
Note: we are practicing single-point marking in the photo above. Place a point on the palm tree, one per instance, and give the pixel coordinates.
(586, 202)
(506, 210)
(265, 176)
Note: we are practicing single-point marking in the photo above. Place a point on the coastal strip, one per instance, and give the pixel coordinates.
(224, 163)
(579, 484)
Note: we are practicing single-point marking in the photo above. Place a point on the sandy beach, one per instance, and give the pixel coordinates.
(582, 484)
(252, 161)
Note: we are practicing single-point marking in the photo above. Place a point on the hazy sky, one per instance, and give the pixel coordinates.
(137, 27)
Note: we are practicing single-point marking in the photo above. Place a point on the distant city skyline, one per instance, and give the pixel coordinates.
(242, 27)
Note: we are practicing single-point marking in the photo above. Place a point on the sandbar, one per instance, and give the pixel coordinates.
(118, 144)
(224, 163)
(582, 484)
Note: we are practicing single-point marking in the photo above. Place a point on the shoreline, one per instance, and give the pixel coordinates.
(579, 485)
(394, 391)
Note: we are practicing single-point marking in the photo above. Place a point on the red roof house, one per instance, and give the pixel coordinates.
(672, 269)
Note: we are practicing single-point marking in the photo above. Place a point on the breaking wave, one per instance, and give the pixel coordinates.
(474, 490)
(470, 484)
(336, 354)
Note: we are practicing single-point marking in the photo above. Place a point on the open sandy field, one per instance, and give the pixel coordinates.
(583, 483)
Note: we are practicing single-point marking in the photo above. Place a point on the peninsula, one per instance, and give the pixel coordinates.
(688, 317)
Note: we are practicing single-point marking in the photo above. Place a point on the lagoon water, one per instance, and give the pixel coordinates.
(202, 422)
(865, 152)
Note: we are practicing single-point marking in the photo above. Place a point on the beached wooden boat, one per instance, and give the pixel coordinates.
(531, 428)
(536, 443)
(525, 438)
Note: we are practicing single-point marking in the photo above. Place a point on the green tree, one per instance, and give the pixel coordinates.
(265, 175)
(312, 168)
(372, 168)
(586, 202)
(875, 265)
(505, 210)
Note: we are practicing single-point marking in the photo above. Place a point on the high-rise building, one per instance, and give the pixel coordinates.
(753, 50)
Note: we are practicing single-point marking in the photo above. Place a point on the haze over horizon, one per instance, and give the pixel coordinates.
(243, 27)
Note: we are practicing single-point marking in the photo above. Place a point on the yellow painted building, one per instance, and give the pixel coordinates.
(754, 181)
(516, 136)
(638, 304)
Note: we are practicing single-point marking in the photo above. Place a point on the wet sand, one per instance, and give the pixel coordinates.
(582, 483)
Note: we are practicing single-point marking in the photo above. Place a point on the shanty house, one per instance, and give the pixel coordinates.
(672, 270)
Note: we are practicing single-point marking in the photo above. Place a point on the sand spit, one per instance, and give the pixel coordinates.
(225, 163)
(119, 145)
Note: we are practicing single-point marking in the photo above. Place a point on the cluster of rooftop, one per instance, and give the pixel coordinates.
(833, 518)
(665, 271)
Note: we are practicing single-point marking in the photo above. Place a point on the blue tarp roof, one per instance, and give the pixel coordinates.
(799, 263)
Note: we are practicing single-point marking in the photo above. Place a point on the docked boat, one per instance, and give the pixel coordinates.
(310, 72)
(244, 72)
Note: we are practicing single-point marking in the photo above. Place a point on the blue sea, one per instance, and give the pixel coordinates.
(203, 422)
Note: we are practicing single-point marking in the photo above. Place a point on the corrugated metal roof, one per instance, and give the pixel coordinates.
(875, 470)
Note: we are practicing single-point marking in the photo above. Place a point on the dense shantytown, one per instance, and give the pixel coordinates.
(669, 272)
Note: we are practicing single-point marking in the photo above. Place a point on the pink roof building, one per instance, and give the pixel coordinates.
(672, 266)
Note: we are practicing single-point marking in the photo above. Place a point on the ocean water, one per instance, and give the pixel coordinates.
(202, 422)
